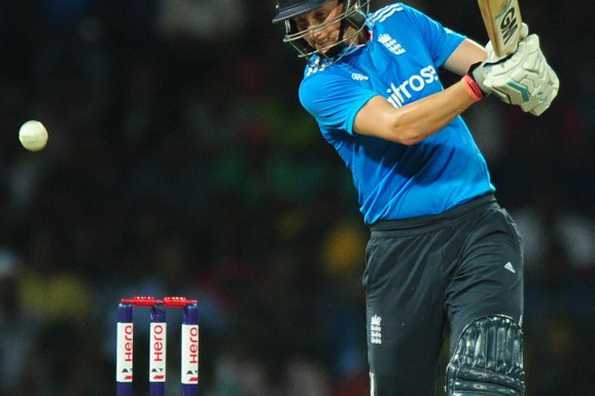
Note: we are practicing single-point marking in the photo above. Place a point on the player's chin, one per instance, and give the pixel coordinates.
(325, 48)
(322, 50)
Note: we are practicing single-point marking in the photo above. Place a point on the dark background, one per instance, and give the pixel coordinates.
(180, 163)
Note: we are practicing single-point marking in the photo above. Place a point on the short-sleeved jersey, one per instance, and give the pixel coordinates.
(399, 62)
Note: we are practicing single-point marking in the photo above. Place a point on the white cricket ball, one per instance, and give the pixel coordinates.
(33, 135)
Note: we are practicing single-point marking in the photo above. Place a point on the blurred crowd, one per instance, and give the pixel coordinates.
(180, 163)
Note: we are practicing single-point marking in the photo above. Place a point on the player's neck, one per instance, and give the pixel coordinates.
(364, 36)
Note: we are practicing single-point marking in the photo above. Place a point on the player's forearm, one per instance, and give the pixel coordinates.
(468, 53)
(418, 120)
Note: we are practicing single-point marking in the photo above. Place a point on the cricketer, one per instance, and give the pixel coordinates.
(443, 258)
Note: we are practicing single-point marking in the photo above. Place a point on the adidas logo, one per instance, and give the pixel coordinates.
(509, 267)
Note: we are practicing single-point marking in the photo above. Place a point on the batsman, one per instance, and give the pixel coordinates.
(443, 258)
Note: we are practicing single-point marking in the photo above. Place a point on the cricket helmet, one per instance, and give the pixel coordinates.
(353, 15)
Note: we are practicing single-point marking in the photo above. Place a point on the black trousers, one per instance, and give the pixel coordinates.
(430, 276)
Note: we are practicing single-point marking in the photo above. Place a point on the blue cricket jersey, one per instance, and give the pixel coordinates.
(400, 63)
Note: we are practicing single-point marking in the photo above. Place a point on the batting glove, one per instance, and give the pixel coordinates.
(525, 79)
(478, 71)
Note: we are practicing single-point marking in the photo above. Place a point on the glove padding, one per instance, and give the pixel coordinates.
(479, 71)
(525, 79)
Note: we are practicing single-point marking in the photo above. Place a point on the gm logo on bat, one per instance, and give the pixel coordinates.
(509, 25)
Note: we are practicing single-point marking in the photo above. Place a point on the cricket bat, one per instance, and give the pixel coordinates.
(502, 20)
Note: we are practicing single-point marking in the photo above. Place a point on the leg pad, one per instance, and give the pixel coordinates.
(488, 360)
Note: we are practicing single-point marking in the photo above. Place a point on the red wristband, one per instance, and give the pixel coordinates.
(473, 88)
